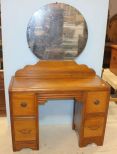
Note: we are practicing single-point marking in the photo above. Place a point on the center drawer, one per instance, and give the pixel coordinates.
(23, 104)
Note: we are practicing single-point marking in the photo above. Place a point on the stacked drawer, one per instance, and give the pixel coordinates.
(95, 115)
(24, 120)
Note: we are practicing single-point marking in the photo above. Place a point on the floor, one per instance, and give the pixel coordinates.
(62, 140)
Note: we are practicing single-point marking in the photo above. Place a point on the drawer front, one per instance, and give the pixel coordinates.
(1, 80)
(114, 56)
(25, 129)
(113, 63)
(96, 102)
(2, 98)
(94, 127)
(1, 75)
(23, 104)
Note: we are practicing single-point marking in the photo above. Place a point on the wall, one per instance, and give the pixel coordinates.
(16, 54)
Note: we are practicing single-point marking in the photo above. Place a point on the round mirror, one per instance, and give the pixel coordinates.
(57, 31)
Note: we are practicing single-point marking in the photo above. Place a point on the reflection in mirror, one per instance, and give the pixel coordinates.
(57, 31)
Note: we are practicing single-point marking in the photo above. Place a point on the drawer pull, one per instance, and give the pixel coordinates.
(96, 102)
(93, 127)
(23, 104)
(25, 131)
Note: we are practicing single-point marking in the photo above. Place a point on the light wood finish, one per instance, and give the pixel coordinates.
(111, 79)
(93, 127)
(25, 129)
(113, 99)
(26, 144)
(23, 104)
(96, 102)
(113, 63)
(59, 69)
(35, 84)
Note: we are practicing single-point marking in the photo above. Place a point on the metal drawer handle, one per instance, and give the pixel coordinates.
(23, 104)
(96, 102)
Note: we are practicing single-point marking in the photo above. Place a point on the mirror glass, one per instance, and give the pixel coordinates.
(57, 31)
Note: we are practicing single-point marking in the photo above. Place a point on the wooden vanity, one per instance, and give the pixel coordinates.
(35, 84)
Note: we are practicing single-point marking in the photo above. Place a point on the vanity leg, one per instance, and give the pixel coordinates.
(73, 124)
(37, 127)
(77, 124)
(77, 115)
